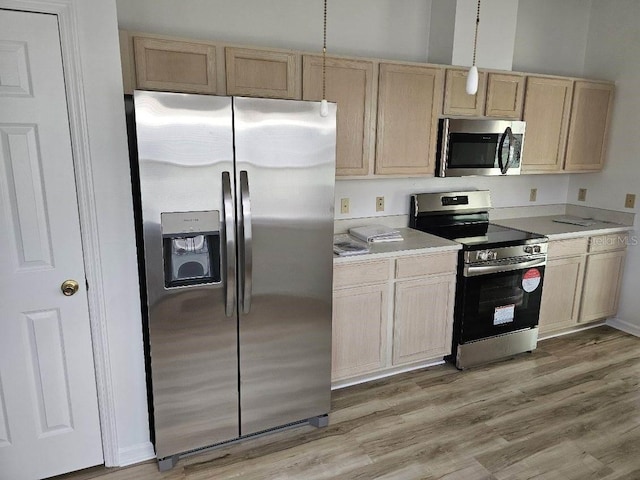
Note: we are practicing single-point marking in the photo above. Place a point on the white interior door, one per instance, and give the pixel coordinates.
(48, 405)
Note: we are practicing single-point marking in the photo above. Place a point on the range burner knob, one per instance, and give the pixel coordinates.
(532, 249)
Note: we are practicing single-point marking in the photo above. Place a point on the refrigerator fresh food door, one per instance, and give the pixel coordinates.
(285, 164)
(185, 150)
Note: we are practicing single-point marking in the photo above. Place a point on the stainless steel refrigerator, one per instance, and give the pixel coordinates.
(237, 199)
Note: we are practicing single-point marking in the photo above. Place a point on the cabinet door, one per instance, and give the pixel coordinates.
(175, 66)
(561, 293)
(423, 318)
(409, 99)
(505, 94)
(349, 83)
(456, 99)
(590, 113)
(601, 285)
(262, 73)
(360, 319)
(547, 107)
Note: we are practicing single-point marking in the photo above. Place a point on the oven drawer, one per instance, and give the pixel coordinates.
(360, 273)
(567, 248)
(421, 265)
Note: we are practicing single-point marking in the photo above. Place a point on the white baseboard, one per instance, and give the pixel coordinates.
(624, 326)
(384, 373)
(135, 454)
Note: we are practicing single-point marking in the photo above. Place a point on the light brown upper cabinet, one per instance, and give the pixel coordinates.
(173, 65)
(456, 99)
(500, 95)
(590, 115)
(567, 122)
(409, 101)
(505, 94)
(263, 73)
(547, 108)
(349, 83)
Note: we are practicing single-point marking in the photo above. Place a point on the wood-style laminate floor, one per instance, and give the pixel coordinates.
(569, 410)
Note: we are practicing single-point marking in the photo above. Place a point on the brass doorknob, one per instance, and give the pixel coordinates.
(69, 287)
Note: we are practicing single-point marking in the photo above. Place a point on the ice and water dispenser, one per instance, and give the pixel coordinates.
(191, 248)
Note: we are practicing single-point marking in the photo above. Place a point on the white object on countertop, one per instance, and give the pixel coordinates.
(345, 245)
(583, 222)
(376, 233)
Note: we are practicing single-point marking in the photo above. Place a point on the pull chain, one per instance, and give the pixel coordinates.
(472, 76)
(324, 107)
(475, 38)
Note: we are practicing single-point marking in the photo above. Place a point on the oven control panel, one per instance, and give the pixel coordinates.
(501, 254)
(484, 255)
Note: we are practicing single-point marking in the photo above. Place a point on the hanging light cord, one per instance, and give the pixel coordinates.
(324, 53)
(475, 38)
(324, 106)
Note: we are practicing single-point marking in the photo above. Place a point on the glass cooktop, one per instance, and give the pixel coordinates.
(497, 236)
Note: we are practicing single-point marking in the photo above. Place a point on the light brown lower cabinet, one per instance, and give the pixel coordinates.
(561, 294)
(582, 281)
(359, 330)
(423, 318)
(601, 289)
(389, 317)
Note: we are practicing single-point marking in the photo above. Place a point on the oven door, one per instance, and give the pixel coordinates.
(497, 302)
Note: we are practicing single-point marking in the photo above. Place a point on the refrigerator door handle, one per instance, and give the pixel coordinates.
(245, 250)
(230, 247)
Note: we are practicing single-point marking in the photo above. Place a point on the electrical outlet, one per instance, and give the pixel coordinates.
(344, 205)
(379, 204)
(582, 194)
(630, 200)
(533, 194)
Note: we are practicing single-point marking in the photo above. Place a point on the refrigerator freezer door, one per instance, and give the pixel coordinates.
(288, 152)
(185, 144)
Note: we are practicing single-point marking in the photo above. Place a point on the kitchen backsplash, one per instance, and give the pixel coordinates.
(342, 225)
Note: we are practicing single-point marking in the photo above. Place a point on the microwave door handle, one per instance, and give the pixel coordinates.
(246, 239)
(444, 142)
(505, 166)
(229, 251)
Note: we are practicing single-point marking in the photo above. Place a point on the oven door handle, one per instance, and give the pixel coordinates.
(475, 270)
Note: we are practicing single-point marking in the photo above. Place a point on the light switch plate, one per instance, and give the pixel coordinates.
(630, 200)
(344, 205)
(582, 194)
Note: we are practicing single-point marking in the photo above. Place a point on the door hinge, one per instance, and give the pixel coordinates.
(86, 282)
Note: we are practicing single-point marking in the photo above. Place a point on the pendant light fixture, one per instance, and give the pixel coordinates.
(324, 106)
(472, 76)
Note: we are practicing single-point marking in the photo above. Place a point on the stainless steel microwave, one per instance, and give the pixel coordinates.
(479, 147)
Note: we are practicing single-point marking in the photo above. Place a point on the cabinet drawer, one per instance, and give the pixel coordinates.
(364, 273)
(613, 241)
(567, 248)
(426, 265)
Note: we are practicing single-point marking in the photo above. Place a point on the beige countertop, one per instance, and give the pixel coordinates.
(414, 242)
(558, 231)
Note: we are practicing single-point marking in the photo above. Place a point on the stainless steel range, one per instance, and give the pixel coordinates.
(500, 276)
